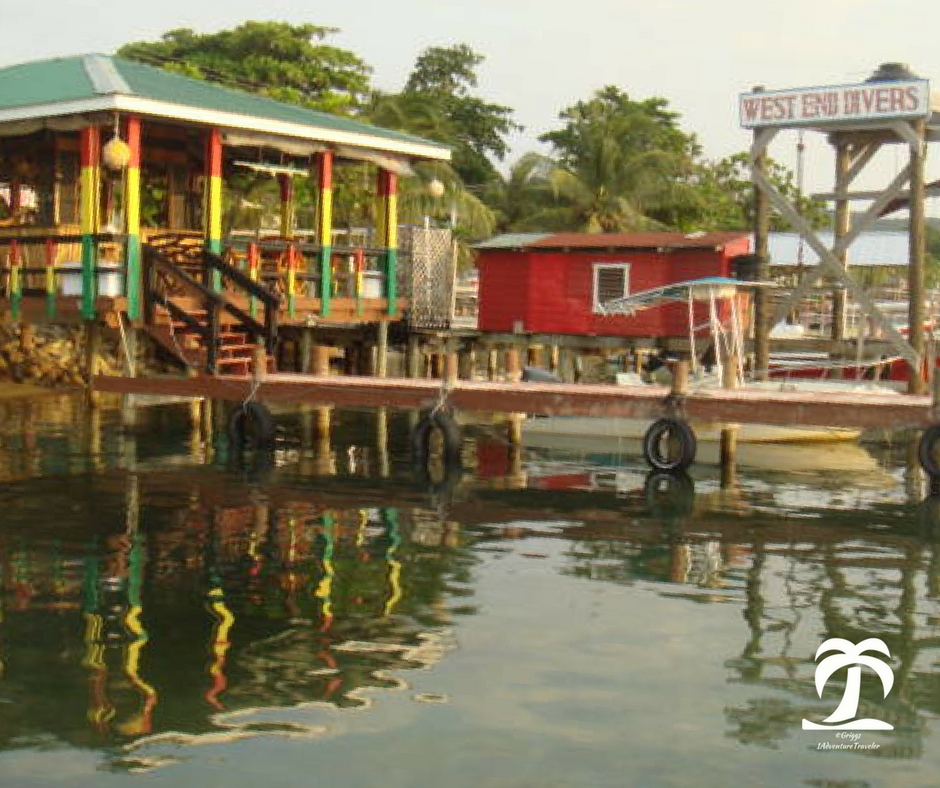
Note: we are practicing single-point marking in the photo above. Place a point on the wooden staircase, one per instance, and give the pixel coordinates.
(213, 331)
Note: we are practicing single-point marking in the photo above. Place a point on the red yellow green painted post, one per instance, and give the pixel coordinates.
(254, 273)
(360, 257)
(292, 257)
(325, 227)
(213, 199)
(388, 235)
(89, 148)
(132, 220)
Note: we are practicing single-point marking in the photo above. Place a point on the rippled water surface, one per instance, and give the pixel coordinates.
(327, 616)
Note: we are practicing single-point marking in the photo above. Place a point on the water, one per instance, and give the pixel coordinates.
(172, 618)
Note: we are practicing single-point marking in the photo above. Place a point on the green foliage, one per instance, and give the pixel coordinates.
(284, 61)
(443, 79)
(932, 272)
(621, 165)
(727, 195)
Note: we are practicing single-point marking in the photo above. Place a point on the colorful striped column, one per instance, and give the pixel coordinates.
(213, 200)
(325, 228)
(89, 151)
(292, 257)
(388, 193)
(132, 221)
(254, 273)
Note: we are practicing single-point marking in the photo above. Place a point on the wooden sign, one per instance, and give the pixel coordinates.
(835, 104)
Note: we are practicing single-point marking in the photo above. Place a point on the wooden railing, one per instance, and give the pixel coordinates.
(163, 280)
(22, 275)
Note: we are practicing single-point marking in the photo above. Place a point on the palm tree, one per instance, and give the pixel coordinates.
(853, 657)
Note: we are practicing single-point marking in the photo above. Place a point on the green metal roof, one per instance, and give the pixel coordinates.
(45, 82)
(60, 86)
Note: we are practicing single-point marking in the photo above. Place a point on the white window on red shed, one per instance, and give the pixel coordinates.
(611, 281)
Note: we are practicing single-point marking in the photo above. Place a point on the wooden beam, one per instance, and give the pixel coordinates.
(861, 224)
(918, 252)
(842, 225)
(762, 317)
(829, 262)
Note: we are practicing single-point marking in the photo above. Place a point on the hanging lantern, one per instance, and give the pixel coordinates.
(436, 188)
(116, 154)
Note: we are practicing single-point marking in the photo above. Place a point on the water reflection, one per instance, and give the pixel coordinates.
(155, 595)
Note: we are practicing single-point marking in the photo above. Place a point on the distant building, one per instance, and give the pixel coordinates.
(869, 250)
(554, 283)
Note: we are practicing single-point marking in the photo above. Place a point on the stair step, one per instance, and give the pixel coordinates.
(237, 351)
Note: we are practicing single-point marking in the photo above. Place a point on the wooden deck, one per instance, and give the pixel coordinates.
(744, 406)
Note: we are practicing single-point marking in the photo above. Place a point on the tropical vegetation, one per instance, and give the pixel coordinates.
(613, 163)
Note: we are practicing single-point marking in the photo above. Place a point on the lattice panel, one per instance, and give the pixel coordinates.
(432, 256)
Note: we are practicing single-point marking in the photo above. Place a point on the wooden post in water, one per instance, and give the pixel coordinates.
(918, 254)
(324, 455)
(413, 357)
(451, 367)
(680, 379)
(492, 364)
(466, 362)
(534, 356)
(513, 367)
(321, 360)
(381, 351)
(728, 455)
(306, 349)
(381, 442)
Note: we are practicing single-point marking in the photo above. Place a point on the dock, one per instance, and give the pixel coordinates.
(734, 406)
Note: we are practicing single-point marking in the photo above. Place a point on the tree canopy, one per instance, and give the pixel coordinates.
(286, 62)
(438, 101)
(614, 163)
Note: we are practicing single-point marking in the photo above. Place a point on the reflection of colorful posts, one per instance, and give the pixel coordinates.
(100, 710)
(112, 607)
(220, 643)
(324, 591)
(143, 721)
(390, 516)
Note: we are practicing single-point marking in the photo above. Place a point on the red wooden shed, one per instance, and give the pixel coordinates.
(554, 283)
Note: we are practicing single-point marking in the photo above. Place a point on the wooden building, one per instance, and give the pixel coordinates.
(555, 283)
(115, 189)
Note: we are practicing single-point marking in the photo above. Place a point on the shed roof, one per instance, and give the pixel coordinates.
(611, 241)
(94, 83)
(888, 248)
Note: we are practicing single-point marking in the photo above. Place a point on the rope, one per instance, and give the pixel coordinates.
(444, 392)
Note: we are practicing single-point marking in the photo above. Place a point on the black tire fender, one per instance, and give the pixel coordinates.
(421, 438)
(688, 445)
(261, 422)
(926, 451)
